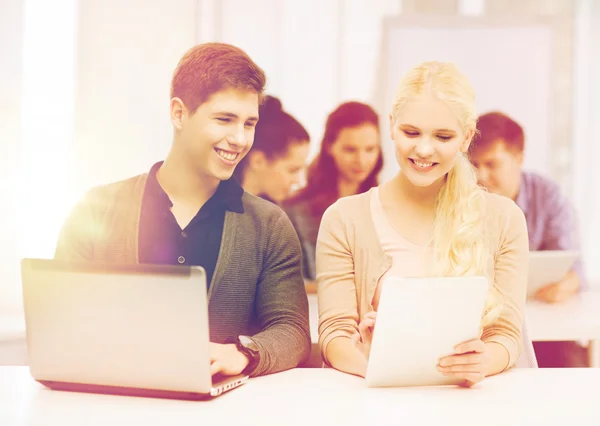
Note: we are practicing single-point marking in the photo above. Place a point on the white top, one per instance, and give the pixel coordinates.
(408, 258)
(529, 397)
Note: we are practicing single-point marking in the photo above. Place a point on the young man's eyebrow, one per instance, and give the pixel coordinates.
(226, 114)
(234, 116)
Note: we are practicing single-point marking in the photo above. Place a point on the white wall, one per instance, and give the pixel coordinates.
(47, 111)
(586, 126)
(316, 54)
(126, 55)
(11, 44)
(95, 109)
(485, 50)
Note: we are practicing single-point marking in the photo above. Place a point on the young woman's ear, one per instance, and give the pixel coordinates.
(467, 142)
(391, 127)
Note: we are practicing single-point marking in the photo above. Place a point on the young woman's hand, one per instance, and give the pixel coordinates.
(470, 362)
(362, 339)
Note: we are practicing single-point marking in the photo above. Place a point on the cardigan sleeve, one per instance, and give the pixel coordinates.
(510, 277)
(338, 310)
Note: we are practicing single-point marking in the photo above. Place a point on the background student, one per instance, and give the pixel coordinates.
(348, 163)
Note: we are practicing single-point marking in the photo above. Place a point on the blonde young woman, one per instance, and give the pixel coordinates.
(432, 219)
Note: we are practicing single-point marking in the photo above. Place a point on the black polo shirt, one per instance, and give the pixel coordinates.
(161, 239)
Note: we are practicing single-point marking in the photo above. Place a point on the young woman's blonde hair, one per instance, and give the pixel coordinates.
(458, 234)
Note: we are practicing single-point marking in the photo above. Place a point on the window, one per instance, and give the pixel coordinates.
(39, 179)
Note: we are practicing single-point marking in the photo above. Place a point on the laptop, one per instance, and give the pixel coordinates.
(139, 330)
(547, 267)
(419, 321)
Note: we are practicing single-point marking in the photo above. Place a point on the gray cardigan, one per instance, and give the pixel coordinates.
(257, 287)
(307, 228)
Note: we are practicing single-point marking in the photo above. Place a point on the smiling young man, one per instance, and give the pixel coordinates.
(497, 153)
(188, 210)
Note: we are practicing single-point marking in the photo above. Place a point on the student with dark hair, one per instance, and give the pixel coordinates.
(348, 163)
(497, 153)
(278, 156)
(188, 211)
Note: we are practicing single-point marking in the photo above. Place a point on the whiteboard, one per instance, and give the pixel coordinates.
(509, 64)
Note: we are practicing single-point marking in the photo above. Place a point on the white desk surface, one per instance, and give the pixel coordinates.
(576, 319)
(320, 397)
(12, 328)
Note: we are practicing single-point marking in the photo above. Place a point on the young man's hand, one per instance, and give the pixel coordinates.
(560, 291)
(226, 359)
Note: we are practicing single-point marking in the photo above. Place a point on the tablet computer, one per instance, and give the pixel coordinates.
(419, 321)
(548, 267)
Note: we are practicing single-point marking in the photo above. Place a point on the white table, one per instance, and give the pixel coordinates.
(320, 397)
(576, 319)
(13, 347)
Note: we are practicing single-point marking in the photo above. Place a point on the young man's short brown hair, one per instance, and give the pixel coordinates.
(494, 126)
(212, 67)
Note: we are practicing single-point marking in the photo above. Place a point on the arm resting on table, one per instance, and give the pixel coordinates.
(282, 304)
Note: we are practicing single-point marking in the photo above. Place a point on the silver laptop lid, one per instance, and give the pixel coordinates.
(138, 326)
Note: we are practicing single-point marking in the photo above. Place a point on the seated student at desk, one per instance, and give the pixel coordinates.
(432, 219)
(278, 155)
(187, 210)
(348, 163)
(277, 158)
(497, 153)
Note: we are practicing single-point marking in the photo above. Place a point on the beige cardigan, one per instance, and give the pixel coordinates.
(350, 262)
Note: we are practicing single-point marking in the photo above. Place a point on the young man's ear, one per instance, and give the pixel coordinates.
(256, 160)
(177, 111)
(519, 157)
(514, 153)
